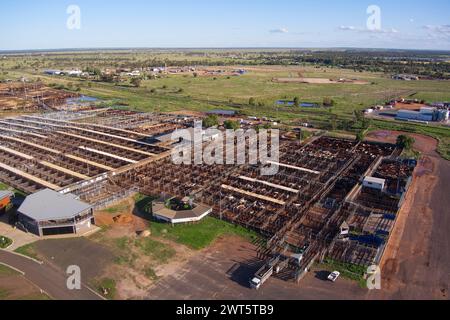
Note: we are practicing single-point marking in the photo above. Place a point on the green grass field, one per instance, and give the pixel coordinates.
(199, 235)
(233, 92)
(195, 236)
(5, 271)
(347, 270)
(106, 287)
(27, 250)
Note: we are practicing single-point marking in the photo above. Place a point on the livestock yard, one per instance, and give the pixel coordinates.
(318, 206)
(23, 96)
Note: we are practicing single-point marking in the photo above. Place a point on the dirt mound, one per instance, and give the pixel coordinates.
(103, 219)
(123, 219)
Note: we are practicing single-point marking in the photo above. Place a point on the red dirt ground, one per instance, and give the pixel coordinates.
(424, 144)
(416, 263)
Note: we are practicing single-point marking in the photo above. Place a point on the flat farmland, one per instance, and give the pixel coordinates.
(183, 91)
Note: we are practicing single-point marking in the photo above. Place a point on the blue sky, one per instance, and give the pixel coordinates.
(41, 24)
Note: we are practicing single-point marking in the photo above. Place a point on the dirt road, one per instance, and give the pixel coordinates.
(417, 261)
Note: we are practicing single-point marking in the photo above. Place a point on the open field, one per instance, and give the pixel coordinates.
(234, 92)
(317, 81)
(181, 92)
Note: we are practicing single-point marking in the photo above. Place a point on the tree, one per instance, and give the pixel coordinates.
(211, 121)
(328, 102)
(231, 125)
(252, 101)
(300, 135)
(107, 77)
(346, 125)
(360, 136)
(333, 123)
(366, 122)
(136, 82)
(296, 102)
(358, 115)
(405, 142)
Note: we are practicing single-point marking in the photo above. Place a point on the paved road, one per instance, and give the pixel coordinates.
(46, 277)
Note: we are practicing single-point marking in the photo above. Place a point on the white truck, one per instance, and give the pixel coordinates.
(261, 276)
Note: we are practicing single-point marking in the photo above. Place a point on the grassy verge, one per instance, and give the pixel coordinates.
(150, 273)
(5, 242)
(156, 250)
(4, 293)
(35, 297)
(347, 270)
(5, 271)
(411, 154)
(200, 235)
(106, 287)
(27, 250)
(121, 207)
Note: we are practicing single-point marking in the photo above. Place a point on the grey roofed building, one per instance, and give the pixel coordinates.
(161, 212)
(48, 212)
(51, 205)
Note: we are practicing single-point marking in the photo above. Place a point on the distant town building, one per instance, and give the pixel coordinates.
(405, 77)
(222, 113)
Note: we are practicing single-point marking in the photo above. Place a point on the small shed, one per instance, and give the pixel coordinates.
(162, 213)
(374, 183)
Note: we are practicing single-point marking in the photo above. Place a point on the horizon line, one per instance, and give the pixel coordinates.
(50, 50)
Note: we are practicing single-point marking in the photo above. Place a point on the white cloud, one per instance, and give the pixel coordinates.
(365, 30)
(347, 28)
(279, 30)
(442, 31)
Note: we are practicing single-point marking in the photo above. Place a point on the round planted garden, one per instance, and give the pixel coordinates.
(5, 242)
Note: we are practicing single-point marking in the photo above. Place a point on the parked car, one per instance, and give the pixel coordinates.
(334, 276)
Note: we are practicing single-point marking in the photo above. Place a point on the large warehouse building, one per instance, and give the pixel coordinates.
(426, 114)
